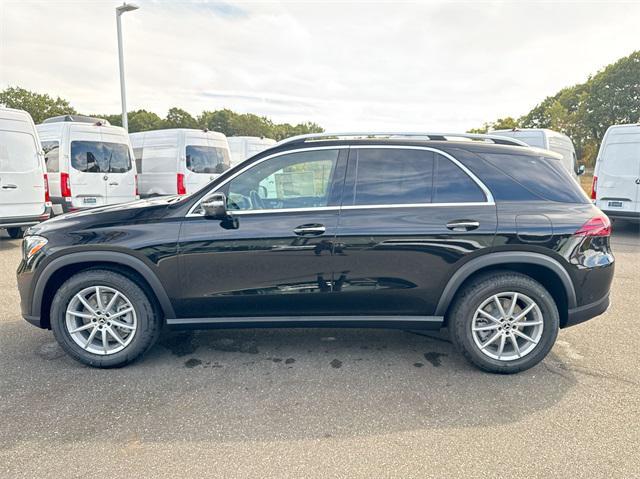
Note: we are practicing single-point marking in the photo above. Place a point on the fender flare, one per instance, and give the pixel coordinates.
(496, 259)
(107, 257)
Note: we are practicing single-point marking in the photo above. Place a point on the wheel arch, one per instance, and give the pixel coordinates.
(547, 271)
(64, 267)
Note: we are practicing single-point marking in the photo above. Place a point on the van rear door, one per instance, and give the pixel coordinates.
(22, 190)
(619, 173)
(120, 172)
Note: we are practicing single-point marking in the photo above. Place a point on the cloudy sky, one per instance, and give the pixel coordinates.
(432, 65)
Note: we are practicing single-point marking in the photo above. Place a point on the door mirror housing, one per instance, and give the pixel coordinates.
(215, 206)
(581, 170)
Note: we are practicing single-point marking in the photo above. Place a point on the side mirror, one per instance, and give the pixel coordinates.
(581, 170)
(215, 206)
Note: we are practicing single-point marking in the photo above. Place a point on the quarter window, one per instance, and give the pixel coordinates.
(452, 185)
(385, 176)
(100, 157)
(51, 155)
(296, 180)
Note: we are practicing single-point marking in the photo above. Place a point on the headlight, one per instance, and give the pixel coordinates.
(31, 245)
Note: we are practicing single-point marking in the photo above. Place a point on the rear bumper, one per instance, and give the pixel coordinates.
(586, 312)
(24, 221)
(623, 215)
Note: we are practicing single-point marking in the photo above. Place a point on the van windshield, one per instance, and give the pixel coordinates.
(207, 159)
(100, 157)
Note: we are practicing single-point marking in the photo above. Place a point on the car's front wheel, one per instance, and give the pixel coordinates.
(103, 319)
(504, 322)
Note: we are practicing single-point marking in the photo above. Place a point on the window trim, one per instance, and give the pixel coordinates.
(489, 200)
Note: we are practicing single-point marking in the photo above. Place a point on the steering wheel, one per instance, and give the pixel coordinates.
(256, 201)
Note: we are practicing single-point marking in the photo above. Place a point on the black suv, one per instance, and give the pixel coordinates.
(489, 238)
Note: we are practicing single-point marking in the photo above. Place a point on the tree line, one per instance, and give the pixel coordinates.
(585, 111)
(42, 106)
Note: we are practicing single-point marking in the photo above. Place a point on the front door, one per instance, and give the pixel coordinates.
(409, 218)
(277, 259)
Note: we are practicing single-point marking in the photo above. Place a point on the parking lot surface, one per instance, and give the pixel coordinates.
(324, 402)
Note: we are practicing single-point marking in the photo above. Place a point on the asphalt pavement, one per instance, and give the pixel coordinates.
(324, 402)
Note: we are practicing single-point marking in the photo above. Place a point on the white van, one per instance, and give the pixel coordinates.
(548, 140)
(89, 163)
(243, 147)
(24, 198)
(179, 160)
(616, 178)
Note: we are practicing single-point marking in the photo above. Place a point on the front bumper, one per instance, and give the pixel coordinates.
(586, 312)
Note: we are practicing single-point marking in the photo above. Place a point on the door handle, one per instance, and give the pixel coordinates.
(309, 230)
(463, 225)
(114, 184)
(9, 187)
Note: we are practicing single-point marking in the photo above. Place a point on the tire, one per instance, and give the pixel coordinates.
(15, 233)
(540, 324)
(142, 322)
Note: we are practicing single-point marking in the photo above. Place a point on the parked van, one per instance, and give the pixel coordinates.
(243, 147)
(178, 161)
(24, 197)
(89, 162)
(616, 179)
(549, 140)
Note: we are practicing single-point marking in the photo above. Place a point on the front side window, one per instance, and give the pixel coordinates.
(295, 180)
(51, 155)
(207, 159)
(17, 152)
(385, 176)
(100, 157)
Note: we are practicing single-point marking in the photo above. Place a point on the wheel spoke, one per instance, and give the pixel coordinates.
(91, 336)
(501, 347)
(82, 328)
(496, 300)
(115, 335)
(524, 312)
(524, 324)
(522, 335)
(120, 324)
(491, 340)
(488, 316)
(105, 341)
(486, 328)
(516, 348)
(80, 315)
(86, 304)
(99, 299)
(120, 313)
(513, 305)
(112, 301)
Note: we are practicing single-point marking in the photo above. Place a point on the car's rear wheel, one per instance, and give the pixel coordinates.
(103, 319)
(15, 233)
(504, 322)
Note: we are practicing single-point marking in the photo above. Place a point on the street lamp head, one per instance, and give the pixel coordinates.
(126, 7)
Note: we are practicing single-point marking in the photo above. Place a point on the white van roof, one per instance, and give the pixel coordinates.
(621, 131)
(545, 131)
(54, 130)
(16, 120)
(175, 132)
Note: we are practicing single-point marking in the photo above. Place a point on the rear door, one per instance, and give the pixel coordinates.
(206, 159)
(410, 217)
(619, 174)
(21, 175)
(120, 168)
(87, 176)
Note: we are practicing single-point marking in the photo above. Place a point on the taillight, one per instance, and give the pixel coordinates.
(47, 197)
(594, 184)
(135, 185)
(65, 185)
(596, 226)
(181, 188)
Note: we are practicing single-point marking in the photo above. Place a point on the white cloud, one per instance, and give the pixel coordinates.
(348, 66)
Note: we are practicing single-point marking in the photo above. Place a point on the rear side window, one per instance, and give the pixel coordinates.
(207, 159)
(51, 155)
(544, 177)
(385, 176)
(452, 185)
(18, 152)
(100, 157)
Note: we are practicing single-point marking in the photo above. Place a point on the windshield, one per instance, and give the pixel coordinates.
(207, 159)
(100, 157)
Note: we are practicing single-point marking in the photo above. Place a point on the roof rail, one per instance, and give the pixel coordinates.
(77, 119)
(498, 140)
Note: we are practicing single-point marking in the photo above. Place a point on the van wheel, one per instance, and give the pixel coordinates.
(15, 233)
(103, 319)
(504, 322)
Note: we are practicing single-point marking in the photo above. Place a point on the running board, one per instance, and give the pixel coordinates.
(418, 322)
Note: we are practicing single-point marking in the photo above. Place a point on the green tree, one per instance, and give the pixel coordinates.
(179, 118)
(139, 120)
(40, 106)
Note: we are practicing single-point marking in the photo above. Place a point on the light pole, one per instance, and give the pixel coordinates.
(125, 7)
